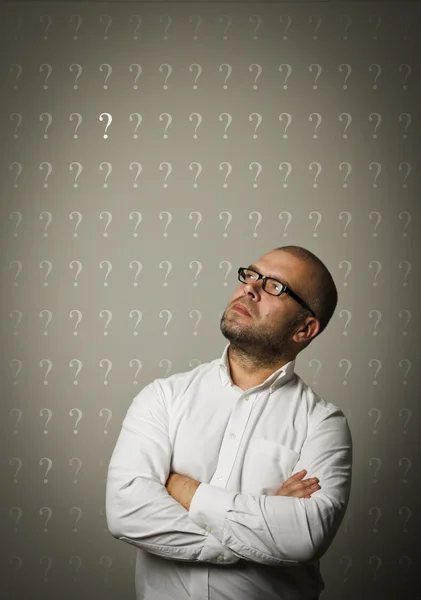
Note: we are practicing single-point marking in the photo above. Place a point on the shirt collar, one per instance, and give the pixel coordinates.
(278, 378)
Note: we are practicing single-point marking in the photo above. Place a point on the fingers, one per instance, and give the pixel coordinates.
(304, 488)
(298, 487)
(296, 480)
(300, 474)
(301, 488)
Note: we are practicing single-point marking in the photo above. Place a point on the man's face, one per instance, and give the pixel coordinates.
(266, 333)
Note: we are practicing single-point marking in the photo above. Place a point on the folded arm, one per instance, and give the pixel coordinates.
(278, 530)
(139, 509)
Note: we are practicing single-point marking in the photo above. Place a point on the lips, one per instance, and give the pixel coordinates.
(241, 308)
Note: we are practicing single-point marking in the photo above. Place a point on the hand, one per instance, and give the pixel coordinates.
(299, 489)
(182, 488)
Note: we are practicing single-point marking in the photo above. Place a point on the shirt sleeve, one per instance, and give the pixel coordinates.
(139, 509)
(276, 530)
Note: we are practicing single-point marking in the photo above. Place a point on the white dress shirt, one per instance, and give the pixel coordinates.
(238, 541)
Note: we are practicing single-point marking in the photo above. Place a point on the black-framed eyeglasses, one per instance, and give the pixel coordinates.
(270, 285)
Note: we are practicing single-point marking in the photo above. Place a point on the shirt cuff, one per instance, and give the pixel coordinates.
(209, 507)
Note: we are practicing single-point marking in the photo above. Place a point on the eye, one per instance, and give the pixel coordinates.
(274, 285)
(250, 275)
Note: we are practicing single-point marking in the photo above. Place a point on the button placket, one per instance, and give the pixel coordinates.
(233, 436)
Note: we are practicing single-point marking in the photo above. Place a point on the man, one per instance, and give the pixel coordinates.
(201, 479)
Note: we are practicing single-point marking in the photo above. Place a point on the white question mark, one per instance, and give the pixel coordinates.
(161, 166)
(229, 121)
(169, 269)
(139, 269)
(348, 73)
(79, 216)
(408, 73)
(109, 318)
(259, 72)
(169, 317)
(348, 24)
(229, 219)
(199, 170)
(138, 18)
(49, 23)
(199, 22)
(259, 120)
(109, 71)
(139, 219)
(319, 170)
(289, 21)
(199, 121)
(289, 169)
(229, 22)
(169, 71)
(199, 220)
(379, 268)
(229, 170)
(139, 121)
(109, 21)
(79, 73)
(319, 220)
(349, 121)
(139, 72)
(109, 119)
(229, 71)
(49, 71)
(79, 122)
(139, 170)
(168, 24)
(199, 268)
(169, 219)
(289, 71)
(258, 171)
(259, 220)
(259, 22)
(379, 70)
(379, 170)
(289, 219)
(199, 72)
(319, 22)
(79, 23)
(319, 70)
(289, 121)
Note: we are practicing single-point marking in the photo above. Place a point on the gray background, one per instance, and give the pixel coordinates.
(121, 280)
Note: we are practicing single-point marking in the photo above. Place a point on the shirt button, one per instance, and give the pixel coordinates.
(233, 435)
(246, 397)
(220, 558)
(208, 529)
(219, 476)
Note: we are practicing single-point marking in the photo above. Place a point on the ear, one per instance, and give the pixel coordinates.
(312, 328)
(307, 331)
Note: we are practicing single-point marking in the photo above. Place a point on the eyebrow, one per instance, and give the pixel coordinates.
(273, 276)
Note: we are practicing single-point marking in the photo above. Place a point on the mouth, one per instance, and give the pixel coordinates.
(241, 309)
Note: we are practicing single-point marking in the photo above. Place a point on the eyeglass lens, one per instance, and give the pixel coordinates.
(272, 286)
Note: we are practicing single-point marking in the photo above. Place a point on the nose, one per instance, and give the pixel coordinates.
(253, 286)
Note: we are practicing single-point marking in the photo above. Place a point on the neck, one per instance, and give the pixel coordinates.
(248, 371)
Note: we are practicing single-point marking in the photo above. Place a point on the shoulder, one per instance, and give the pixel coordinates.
(174, 385)
(323, 413)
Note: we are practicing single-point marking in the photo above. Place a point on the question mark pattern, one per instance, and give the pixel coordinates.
(348, 149)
